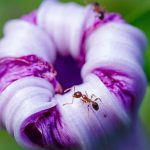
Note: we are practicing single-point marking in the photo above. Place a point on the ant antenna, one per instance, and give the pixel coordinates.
(72, 97)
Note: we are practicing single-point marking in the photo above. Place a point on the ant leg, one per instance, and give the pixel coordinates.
(69, 103)
(98, 99)
(88, 110)
(86, 93)
(93, 95)
(83, 100)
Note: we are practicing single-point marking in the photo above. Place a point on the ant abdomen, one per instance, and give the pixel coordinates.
(95, 106)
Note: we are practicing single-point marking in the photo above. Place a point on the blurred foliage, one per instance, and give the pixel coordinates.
(136, 12)
(7, 142)
(143, 22)
(145, 111)
(15, 8)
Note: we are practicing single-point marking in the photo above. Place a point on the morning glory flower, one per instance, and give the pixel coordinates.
(107, 52)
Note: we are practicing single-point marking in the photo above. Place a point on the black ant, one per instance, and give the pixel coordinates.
(84, 98)
(99, 10)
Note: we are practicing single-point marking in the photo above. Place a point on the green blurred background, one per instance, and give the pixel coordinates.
(136, 12)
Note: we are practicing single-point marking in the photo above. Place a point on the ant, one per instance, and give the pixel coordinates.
(99, 10)
(84, 98)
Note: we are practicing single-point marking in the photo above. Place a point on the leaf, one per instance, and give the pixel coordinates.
(7, 142)
(145, 111)
(15, 9)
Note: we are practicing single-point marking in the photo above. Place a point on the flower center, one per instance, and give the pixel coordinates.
(68, 71)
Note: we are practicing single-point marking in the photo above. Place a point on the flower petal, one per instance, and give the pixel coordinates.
(34, 41)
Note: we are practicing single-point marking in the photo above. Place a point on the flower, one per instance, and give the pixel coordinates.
(110, 54)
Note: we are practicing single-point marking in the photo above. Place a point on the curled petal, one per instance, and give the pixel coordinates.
(92, 125)
(34, 41)
(31, 17)
(112, 55)
(116, 58)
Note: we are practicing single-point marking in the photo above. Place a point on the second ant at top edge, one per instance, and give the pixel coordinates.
(98, 9)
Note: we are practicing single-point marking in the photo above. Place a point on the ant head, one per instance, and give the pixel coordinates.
(96, 4)
(77, 94)
(95, 106)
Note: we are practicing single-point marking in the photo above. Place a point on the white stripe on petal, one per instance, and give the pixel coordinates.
(22, 38)
(116, 41)
(18, 85)
(22, 99)
(64, 23)
(93, 129)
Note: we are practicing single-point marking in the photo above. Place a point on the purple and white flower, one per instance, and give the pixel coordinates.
(109, 53)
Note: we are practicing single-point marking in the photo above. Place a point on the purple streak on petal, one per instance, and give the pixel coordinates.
(117, 86)
(12, 69)
(46, 129)
(31, 17)
(109, 17)
(113, 17)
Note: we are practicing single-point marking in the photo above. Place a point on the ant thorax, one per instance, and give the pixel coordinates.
(84, 97)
